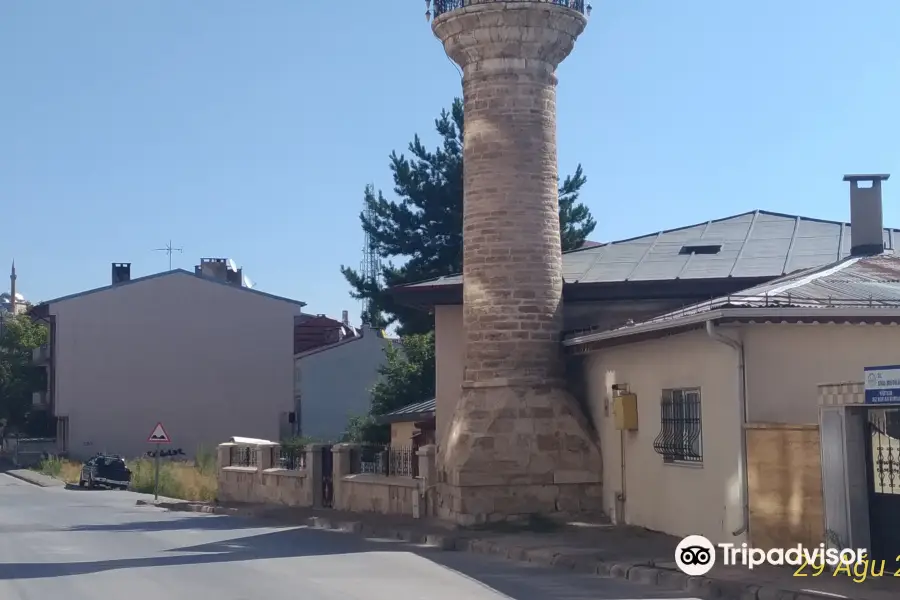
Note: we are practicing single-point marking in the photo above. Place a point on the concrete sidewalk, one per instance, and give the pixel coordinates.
(34, 478)
(621, 552)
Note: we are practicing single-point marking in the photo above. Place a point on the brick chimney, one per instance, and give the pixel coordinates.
(866, 219)
(220, 269)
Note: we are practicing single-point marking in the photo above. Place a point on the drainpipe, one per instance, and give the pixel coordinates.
(714, 334)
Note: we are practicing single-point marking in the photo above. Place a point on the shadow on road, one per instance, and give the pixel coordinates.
(74, 487)
(514, 579)
(200, 522)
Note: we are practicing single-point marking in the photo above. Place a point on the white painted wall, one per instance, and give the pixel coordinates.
(335, 383)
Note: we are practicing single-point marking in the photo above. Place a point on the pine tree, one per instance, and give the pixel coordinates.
(424, 227)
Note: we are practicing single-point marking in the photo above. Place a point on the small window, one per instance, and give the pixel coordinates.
(701, 249)
(680, 436)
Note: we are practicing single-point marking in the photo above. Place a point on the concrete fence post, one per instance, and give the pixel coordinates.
(342, 455)
(223, 459)
(264, 460)
(428, 474)
(223, 455)
(314, 473)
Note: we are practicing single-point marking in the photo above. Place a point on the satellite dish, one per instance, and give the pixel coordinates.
(231, 264)
(248, 283)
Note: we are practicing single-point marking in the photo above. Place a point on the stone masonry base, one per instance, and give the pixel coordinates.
(470, 505)
(517, 450)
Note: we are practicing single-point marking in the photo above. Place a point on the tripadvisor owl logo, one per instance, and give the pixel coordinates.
(695, 555)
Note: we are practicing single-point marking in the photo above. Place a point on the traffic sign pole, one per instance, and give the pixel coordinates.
(156, 476)
(157, 437)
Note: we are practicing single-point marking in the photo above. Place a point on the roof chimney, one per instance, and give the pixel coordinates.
(345, 318)
(866, 220)
(213, 268)
(121, 273)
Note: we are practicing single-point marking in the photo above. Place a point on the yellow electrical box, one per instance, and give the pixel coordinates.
(625, 412)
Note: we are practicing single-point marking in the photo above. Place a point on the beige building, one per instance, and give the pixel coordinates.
(708, 381)
(199, 352)
(725, 392)
(411, 425)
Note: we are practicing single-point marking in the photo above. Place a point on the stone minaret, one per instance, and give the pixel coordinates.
(13, 309)
(518, 442)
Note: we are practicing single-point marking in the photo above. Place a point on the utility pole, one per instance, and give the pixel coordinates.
(169, 250)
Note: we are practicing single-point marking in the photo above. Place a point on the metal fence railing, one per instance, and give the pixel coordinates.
(243, 456)
(443, 6)
(291, 457)
(398, 461)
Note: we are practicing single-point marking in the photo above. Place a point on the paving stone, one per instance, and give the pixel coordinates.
(645, 575)
(563, 561)
(672, 579)
(750, 592)
(541, 556)
(619, 570)
(517, 553)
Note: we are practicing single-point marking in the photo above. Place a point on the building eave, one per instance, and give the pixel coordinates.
(745, 315)
(404, 418)
(167, 274)
(427, 297)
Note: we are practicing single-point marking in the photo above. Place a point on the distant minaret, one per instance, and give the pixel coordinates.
(12, 289)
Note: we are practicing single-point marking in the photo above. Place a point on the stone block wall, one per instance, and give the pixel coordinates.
(378, 493)
(263, 483)
(387, 495)
(784, 469)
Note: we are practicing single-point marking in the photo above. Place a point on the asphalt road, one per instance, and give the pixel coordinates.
(97, 545)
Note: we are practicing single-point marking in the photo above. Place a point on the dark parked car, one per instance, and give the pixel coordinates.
(105, 470)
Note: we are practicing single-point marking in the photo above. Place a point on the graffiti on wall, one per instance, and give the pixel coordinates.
(166, 453)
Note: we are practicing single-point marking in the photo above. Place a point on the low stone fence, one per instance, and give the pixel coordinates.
(393, 481)
(267, 474)
(323, 476)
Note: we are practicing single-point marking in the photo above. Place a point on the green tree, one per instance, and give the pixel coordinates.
(19, 335)
(423, 229)
(407, 377)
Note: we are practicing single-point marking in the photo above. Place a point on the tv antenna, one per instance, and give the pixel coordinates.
(370, 266)
(169, 250)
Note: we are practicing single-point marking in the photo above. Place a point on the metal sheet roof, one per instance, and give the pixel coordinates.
(414, 409)
(753, 244)
(856, 282)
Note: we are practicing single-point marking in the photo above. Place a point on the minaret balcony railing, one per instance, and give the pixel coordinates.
(444, 6)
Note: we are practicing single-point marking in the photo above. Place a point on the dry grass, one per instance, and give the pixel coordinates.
(184, 480)
(67, 470)
(187, 480)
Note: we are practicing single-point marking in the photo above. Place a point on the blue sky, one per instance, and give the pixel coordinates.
(249, 129)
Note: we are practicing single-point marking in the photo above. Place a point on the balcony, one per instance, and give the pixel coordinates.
(444, 6)
(41, 355)
(40, 399)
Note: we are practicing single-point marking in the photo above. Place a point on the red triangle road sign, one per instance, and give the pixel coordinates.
(159, 435)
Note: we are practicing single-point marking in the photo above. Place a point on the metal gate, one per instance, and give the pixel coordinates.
(883, 474)
(327, 477)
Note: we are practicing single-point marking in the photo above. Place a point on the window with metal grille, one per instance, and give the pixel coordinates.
(680, 436)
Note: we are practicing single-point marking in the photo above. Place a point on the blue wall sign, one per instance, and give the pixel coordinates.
(883, 385)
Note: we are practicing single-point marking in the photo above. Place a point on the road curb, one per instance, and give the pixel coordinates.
(639, 572)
